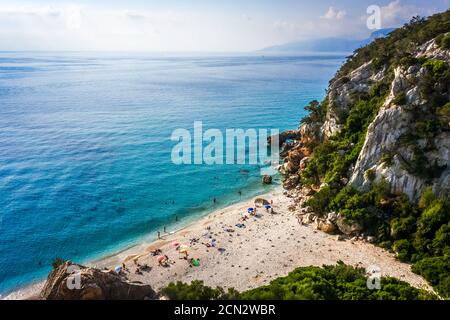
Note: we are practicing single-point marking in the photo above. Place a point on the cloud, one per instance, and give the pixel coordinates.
(334, 14)
(134, 15)
(246, 17)
(68, 26)
(395, 13)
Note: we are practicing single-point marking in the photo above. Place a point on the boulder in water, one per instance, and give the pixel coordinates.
(267, 179)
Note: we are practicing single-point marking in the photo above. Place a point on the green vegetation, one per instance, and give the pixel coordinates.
(444, 41)
(340, 282)
(389, 51)
(316, 112)
(197, 291)
(443, 113)
(436, 270)
(333, 158)
(418, 233)
(400, 99)
(57, 262)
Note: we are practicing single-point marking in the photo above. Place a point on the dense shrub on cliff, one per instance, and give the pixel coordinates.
(196, 290)
(329, 164)
(316, 112)
(436, 270)
(340, 282)
(390, 50)
(417, 232)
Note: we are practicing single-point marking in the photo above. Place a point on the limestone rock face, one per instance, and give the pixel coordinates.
(340, 95)
(291, 182)
(76, 282)
(384, 136)
(388, 153)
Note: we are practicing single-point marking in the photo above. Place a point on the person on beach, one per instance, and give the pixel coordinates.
(163, 260)
(165, 229)
(155, 252)
(159, 235)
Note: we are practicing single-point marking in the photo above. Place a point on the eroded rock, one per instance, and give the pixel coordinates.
(76, 282)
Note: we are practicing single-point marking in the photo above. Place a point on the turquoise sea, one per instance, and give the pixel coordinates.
(85, 148)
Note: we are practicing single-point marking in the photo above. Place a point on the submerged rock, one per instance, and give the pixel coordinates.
(266, 179)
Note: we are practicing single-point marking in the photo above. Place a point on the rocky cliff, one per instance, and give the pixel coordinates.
(406, 144)
(372, 161)
(72, 281)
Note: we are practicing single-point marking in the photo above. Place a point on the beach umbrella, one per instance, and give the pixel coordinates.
(267, 206)
(250, 209)
(195, 262)
(118, 269)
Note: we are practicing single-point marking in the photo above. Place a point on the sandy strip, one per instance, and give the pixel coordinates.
(269, 246)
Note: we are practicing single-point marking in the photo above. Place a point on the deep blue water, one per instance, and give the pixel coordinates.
(85, 166)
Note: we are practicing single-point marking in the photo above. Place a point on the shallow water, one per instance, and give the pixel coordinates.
(85, 166)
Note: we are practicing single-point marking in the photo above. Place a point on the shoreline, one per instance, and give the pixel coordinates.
(269, 246)
(33, 288)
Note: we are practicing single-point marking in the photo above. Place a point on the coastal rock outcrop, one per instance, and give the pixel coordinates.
(72, 281)
(340, 96)
(348, 228)
(389, 151)
(402, 145)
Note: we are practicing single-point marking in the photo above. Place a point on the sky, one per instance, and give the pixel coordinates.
(192, 25)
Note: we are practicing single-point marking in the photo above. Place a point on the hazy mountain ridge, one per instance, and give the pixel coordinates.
(327, 44)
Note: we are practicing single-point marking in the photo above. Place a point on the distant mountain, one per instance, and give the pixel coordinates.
(328, 44)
